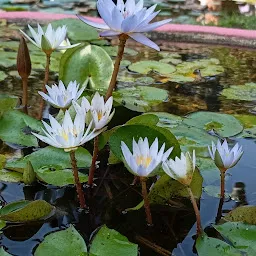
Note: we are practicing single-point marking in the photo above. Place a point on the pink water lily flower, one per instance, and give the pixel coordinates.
(130, 18)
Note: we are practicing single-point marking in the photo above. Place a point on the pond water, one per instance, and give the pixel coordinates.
(174, 224)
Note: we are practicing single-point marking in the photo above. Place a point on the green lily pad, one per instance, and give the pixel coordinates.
(140, 98)
(241, 235)
(128, 78)
(59, 177)
(245, 92)
(167, 120)
(66, 242)
(10, 176)
(128, 132)
(7, 102)
(171, 61)
(77, 30)
(165, 54)
(25, 211)
(3, 252)
(211, 247)
(55, 157)
(147, 66)
(225, 125)
(147, 119)
(2, 76)
(249, 123)
(214, 191)
(245, 214)
(23, 124)
(112, 51)
(125, 63)
(86, 63)
(8, 59)
(109, 242)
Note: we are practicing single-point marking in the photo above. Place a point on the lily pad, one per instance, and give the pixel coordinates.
(10, 176)
(77, 30)
(140, 98)
(109, 242)
(7, 102)
(112, 51)
(249, 123)
(2, 75)
(171, 61)
(223, 124)
(167, 120)
(59, 177)
(86, 64)
(165, 54)
(128, 132)
(245, 214)
(23, 124)
(66, 242)
(214, 191)
(211, 247)
(25, 211)
(245, 92)
(50, 156)
(147, 66)
(3, 252)
(242, 236)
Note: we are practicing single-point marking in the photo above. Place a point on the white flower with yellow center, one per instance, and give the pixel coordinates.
(181, 169)
(144, 160)
(69, 135)
(224, 157)
(49, 40)
(61, 97)
(98, 110)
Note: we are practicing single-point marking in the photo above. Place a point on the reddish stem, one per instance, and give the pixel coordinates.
(25, 94)
(94, 159)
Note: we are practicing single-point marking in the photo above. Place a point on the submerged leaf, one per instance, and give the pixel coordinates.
(10, 176)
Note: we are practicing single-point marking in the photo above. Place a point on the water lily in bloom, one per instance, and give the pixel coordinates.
(181, 169)
(49, 40)
(98, 110)
(69, 135)
(130, 18)
(224, 157)
(61, 97)
(144, 160)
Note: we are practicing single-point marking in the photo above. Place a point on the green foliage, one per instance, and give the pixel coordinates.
(29, 175)
(55, 157)
(86, 64)
(110, 242)
(9, 176)
(66, 242)
(3, 252)
(140, 98)
(245, 214)
(25, 211)
(7, 102)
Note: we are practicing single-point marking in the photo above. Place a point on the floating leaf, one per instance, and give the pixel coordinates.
(242, 236)
(147, 66)
(211, 247)
(10, 176)
(225, 125)
(128, 132)
(3, 252)
(2, 75)
(249, 123)
(25, 211)
(23, 124)
(29, 175)
(2, 161)
(165, 54)
(109, 242)
(140, 98)
(245, 214)
(66, 242)
(214, 191)
(245, 92)
(50, 156)
(112, 51)
(167, 120)
(171, 60)
(86, 63)
(59, 177)
(77, 30)
(147, 119)
(7, 102)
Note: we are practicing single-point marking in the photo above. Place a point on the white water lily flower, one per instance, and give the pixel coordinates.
(99, 111)
(224, 157)
(144, 160)
(130, 18)
(181, 169)
(61, 97)
(49, 40)
(69, 135)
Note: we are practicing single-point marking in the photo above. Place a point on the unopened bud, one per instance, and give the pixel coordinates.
(23, 59)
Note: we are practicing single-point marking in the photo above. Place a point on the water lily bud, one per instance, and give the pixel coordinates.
(23, 59)
(46, 45)
(29, 175)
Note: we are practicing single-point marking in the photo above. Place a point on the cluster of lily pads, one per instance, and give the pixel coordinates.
(152, 144)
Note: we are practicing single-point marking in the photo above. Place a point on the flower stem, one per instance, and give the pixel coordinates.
(199, 229)
(222, 184)
(25, 94)
(46, 78)
(122, 40)
(94, 159)
(146, 200)
(79, 189)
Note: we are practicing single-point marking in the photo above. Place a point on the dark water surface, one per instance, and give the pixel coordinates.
(174, 226)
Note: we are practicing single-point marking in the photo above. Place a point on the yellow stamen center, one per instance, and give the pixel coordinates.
(100, 115)
(143, 160)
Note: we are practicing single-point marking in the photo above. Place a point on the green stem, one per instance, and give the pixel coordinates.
(46, 79)
(94, 159)
(146, 200)
(199, 229)
(122, 41)
(79, 189)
